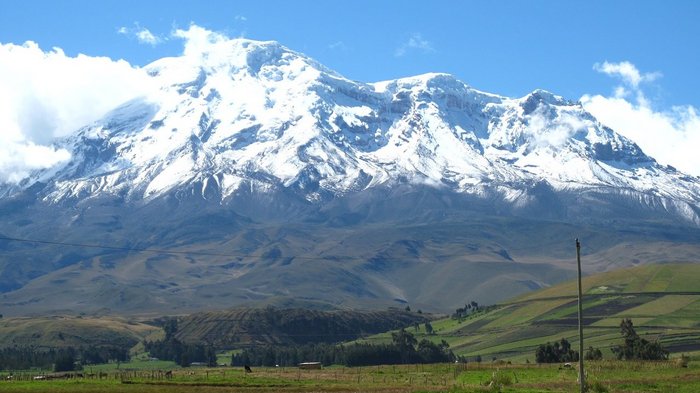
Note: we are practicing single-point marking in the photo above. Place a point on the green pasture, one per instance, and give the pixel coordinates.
(663, 302)
(604, 376)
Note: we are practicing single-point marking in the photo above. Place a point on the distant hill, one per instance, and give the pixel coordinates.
(242, 327)
(663, 302)
(61, 332)
(234, 328)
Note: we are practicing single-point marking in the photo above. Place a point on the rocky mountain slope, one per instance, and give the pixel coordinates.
(255, 174)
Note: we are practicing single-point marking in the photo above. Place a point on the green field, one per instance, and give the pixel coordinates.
(663, 302)
(604, 376)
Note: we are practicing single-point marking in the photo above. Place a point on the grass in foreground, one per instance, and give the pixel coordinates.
(610, 376)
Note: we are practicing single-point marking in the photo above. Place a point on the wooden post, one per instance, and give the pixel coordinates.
(582, 383)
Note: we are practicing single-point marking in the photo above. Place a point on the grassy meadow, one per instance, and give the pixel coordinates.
(603, 376)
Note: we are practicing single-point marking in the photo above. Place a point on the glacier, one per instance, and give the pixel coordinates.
(256, 115)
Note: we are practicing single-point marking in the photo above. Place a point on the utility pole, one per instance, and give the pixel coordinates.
(582, 382)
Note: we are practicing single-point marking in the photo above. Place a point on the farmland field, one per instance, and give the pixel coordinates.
(663, 302)
(610, 376)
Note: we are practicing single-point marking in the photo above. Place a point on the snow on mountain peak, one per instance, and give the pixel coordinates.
(533, 100)
(234, 113)
(216, 54)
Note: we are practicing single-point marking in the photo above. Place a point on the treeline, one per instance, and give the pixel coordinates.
(404, 349)
(184, 354)
(59, 359)
(558, 352)
(471, 309)
(468, 309)
(633, 348)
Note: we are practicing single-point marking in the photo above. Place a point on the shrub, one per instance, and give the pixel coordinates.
(682, 361)
(597, 387)
(498, 380)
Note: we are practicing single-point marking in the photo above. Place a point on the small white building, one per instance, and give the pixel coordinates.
(310, 366)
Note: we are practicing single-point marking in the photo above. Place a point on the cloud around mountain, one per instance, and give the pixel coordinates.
(47, 94)
(670, 136)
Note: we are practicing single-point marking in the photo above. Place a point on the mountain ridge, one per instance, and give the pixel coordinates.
(432, 130)
(305, 185)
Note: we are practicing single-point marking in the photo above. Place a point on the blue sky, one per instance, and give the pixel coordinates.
(631, 62)
(505, 47)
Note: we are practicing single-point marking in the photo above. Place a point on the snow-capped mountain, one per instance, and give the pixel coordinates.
(260, 174)
(257, 115)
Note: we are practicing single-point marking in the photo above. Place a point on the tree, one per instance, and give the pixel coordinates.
(405, 343)
(170, 328)
(635, 347)
(429, 352)
(210, 354)
(593, 354)
(64, 362)
(184, 359)
(558, 352)
(428, 328)
(627, 330)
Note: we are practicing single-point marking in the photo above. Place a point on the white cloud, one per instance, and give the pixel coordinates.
(415, 42)
(240, 18)
(672, 136)
(146, 37)
(19, 158)
(142, 35)
(339, 46)
(627, 71)
(543, 131)
(199, 40)
(47, 94)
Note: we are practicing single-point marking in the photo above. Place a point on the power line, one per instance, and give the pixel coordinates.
(194, 253)
(155, 250)
(115, 248)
